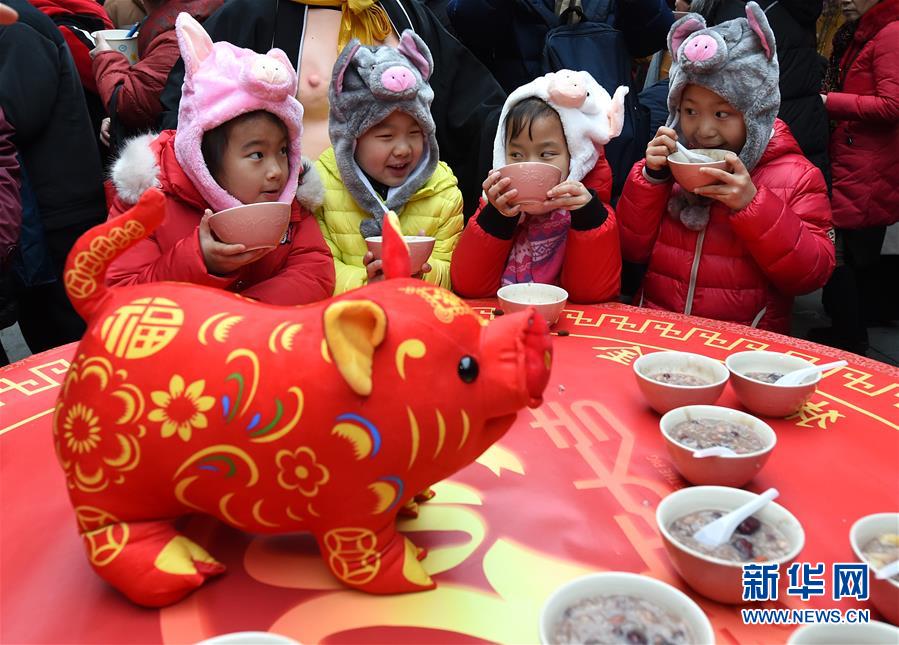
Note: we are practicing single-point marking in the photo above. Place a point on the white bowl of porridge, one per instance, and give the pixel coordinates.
(873, 633)
(671, 380)
(875, 540)
(695, 427)
(752, 378)
(548, 299)
(772, 535)
(622, 607)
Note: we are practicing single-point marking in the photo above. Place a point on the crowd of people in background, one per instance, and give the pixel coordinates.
(413, 106)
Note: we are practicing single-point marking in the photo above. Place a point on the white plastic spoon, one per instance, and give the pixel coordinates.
(694, 157)
(719, 531)
(887, 571)
(714, 451)
(798, 376)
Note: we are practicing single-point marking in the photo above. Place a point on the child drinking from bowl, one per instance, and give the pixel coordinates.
(562, 119)
(238, 142)
(384, 157)
(741, 248)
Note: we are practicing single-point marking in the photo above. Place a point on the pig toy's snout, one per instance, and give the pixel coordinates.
(570, 94)
(538, 357)
(518, 350)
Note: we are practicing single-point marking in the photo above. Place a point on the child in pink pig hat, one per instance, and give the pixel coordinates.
(562, 119)
(238, 142)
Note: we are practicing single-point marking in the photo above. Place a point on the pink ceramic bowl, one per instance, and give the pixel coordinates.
(532, 179)
(256, 226)
(717, 471)
(884, 593)
(420, 247)
(714, 578)
(663, 397)
(768, 399)
(687, 173)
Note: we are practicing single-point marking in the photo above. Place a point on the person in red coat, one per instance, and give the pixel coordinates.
(562, 119)
(137, 105)
(238, 142)
(741, 248)
(862, 98)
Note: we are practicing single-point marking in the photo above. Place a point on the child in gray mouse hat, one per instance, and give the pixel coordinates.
(741, 247)
(384, 157)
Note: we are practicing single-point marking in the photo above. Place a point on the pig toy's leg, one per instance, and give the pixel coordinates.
(382, 561)
(410, 508)
(150, 562)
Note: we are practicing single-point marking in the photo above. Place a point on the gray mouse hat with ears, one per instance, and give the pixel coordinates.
(367, 85)
(736, 60)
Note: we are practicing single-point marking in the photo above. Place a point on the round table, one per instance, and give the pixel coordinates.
(571, 489)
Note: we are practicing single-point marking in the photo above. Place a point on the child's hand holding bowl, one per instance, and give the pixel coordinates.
(735, 189)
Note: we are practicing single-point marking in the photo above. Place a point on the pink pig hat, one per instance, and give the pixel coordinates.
(590, 117)
(222, 82)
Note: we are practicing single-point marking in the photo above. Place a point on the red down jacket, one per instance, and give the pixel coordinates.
(864, 145)
(747, 265)
(297, 272)
(591, 270)
(138, 104)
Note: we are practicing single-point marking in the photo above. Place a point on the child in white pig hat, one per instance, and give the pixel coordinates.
(570, 239)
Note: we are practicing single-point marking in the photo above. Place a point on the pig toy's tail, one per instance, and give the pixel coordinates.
(91, 255)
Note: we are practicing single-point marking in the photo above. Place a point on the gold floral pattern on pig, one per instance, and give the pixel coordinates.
(299, 470)
(446, 305)
(97, 444)
(181, 409)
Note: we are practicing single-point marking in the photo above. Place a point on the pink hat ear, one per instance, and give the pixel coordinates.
(414, 48)
(758, 22)
(194, 42)
(682, 29)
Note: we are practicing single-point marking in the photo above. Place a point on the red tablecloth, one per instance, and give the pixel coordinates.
(572, 488)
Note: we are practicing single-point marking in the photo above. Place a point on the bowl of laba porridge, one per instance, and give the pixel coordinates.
(875, 540)
(671, 380)
(772, 535)
(619, 607)
(695, 427)
(752, 376)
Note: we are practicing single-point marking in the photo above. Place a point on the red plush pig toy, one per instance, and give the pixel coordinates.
(328, 418)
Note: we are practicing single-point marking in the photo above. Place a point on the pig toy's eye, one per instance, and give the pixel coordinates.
(468, 369)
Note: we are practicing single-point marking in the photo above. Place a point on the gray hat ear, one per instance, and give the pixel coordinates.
(758, 22)
(414, 48)
(681, 30)
(341, 64)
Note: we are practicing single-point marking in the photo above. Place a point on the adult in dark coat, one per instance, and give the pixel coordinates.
(467, 99)
(801, 67)
(42, 99)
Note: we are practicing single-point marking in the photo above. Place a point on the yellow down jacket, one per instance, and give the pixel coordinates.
(435, 209)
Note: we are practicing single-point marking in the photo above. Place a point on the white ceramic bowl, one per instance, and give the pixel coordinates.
(663, 397)
(768, 399)
(884, 593)
(717, 471)
(548, 299)
(615, 583)
(420, 248)
(714, 578)
(120, 41)
(873, 633)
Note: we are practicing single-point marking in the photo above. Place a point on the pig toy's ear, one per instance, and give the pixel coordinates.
(353, 329)
(616, 111)
(341, 64)
(395, 252)
(193, 41)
